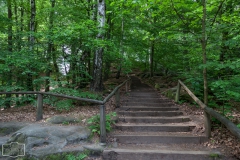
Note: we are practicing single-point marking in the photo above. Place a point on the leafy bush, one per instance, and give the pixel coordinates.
(66, 104)
(79, 157)
(76, 93)
(238, 125)
(94, 122)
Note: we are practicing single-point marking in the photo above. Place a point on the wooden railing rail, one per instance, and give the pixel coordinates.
(208, 112)
(116, 92)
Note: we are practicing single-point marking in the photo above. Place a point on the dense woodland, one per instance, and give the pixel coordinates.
(66, 45)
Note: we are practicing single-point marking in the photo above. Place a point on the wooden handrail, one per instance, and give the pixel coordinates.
(115, 92)
(56, 95)
(207, 112)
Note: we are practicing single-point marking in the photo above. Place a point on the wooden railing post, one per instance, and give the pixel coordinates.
(39, 107)
(102, 125)
(207, 124)
(178, 92)
(117, 98)
(126, 87)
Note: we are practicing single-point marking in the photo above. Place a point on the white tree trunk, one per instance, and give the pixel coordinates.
(97, 84)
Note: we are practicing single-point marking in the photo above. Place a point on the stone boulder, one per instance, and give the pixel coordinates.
(41, 140)
(61, 120)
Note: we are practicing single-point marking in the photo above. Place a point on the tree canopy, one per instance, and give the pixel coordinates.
(55, 43)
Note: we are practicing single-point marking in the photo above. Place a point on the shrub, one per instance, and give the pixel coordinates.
(94, 122)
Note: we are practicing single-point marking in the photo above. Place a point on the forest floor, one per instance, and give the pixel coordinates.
(221, 138)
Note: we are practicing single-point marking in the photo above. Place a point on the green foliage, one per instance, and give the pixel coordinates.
(77, 93)
(65, 104)
(238, 125)
(94, 123)
(79, 157)
(215, 121)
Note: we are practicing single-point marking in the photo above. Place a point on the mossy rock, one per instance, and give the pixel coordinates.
(61, 120)
(170, 93)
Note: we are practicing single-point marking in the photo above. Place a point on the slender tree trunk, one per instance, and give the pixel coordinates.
(50, 47)
(18, 43)
(151, 57)
(31, 43)
(204, 45)
(121, 50)
(152, 50)
(10, 49)
(32, 24)
(96, 83)
(107, 60)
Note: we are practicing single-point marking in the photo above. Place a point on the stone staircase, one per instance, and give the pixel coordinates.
(151, 127)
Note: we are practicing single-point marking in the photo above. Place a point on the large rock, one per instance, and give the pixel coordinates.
(61, 119)
(41, 140)
(7, 128)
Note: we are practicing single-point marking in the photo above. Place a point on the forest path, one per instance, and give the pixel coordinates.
(151, 126)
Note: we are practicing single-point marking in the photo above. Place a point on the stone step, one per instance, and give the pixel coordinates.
(142, 89)
(149, 154)
(147, 104)
(146, 127)
(142, 108)
(159, 137)
(145, 94)
(142, 99)
(178, 119)
(150, 113)
(151, 100)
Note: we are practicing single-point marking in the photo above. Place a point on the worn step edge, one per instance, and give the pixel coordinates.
(148, 98)
(155, 100)
(150, 113)
(166, 139)
(148, 104)
(132, 154)
(154, 128)
(142, 108)
(179, 119)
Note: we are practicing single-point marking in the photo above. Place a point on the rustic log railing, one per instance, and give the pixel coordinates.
(208, 112)
(116, 92)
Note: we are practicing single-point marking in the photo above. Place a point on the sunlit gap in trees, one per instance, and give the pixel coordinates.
(64, 64)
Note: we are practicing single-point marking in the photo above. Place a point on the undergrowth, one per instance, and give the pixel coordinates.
(94, 123)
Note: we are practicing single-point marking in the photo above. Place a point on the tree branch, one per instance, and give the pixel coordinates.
(215, 17)
(181, 17)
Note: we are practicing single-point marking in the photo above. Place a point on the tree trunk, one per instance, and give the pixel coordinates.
(204, 45)
(151, 57)
(31, 43)
(32, 24)
(96, 83)
(108, 60)
(10, 49)
(121, 50)
(50, 47)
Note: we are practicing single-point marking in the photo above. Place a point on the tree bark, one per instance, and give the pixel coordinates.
(121, 50)
(152, 49)
(204, 45)
(96, 83)
(10, 49)
(50, 47)
(31, 43)
(32, 24)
